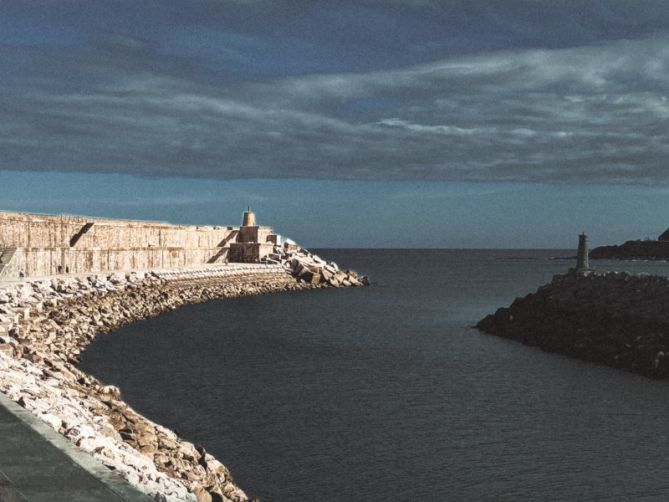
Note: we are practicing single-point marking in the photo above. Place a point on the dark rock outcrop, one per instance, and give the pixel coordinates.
(664, 236)
(616, 319)
(633, 250)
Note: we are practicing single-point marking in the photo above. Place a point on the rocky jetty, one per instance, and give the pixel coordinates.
(44, 325)
(312, 269)
(614, 318)
(633, 250)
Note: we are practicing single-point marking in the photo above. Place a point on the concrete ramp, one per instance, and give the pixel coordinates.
(6, 257)
(39, 465)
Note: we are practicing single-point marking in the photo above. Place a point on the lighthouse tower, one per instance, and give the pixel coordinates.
(582, 264)
(249, 219)
(254, 242)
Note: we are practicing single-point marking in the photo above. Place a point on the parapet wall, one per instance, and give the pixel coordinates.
(40, 245)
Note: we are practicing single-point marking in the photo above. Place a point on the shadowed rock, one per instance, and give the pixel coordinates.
(635, 250)
(616, 319)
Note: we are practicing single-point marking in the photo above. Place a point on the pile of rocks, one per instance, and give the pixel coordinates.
(614, 318)
(310, 268)
(45, 324)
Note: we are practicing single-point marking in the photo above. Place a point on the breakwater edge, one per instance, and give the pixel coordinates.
(613, 318)
(46, 323)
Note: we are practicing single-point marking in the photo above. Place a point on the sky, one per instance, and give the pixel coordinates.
(376, 123)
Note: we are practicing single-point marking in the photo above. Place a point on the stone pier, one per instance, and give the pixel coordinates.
(63, 281)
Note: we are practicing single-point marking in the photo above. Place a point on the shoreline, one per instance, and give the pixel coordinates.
(44, 326)
(647, 250)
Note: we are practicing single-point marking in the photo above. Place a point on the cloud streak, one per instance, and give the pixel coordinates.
(595, 113)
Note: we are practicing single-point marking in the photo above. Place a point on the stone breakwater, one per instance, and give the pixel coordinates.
(614, 318)
(312, 269)
(45, 324)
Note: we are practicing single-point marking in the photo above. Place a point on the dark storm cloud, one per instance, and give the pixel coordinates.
(138, 101)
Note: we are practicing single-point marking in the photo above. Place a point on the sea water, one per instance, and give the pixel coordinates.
(387, 393)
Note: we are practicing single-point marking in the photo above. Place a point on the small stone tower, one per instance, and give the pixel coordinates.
(254, 242)
(582, 264)
(249, 219)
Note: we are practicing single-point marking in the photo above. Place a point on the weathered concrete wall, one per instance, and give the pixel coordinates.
(250, 252)
(40, 245)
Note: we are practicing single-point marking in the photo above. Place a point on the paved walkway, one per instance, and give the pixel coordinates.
(174, 273)
(39, 465)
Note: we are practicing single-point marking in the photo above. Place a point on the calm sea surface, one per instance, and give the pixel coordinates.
(387, 394)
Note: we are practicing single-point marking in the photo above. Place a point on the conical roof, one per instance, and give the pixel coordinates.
(249, 219)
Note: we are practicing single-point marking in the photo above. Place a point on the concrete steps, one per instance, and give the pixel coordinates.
(223, 270)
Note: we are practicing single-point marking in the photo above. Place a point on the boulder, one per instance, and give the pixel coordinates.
(111, 391)
(7, 349)
(327, 274)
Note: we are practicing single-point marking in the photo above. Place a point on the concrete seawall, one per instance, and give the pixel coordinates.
(42, 245)
(45, 325)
